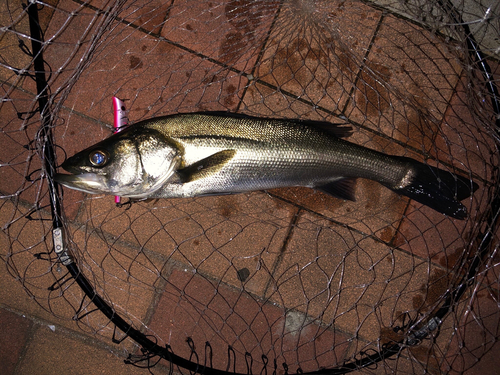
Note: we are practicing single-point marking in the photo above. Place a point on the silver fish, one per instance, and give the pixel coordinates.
(213, 153)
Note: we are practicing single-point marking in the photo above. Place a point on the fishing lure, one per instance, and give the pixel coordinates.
(120, 121)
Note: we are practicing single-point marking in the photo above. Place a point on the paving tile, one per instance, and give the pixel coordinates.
(314, 51)
(17, 134)
(438, 352)
(22, 162)
(491, 266)
(63, 54)
(15, 335)
(220, 236)
(55, 351)
(308, 346)
(431, 235)
(463, 140)
(261, 100)
(401, 365)
(31, 283)
(17, 161)
(231, 31)
(195, 307)
(475, 338)
(148, 15)
(153, 76)
(67, 52)
(12, 58)
(349, 281)
(26, 239)
(471, 12)
(406, 83)
(16, 19)
(423, 358)
(124, 277)
(204, 310)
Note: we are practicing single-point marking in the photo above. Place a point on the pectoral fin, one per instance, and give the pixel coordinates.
(205, 167)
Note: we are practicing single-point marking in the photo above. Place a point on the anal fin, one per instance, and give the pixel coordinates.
(343, 188)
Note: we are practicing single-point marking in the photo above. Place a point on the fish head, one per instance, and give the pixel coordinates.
(133, 163)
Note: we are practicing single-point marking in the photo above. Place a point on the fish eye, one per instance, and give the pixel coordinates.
(98, 158)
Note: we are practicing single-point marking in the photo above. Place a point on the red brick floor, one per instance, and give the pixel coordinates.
(290, 274)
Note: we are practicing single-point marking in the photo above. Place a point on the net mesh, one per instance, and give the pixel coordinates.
(284, 280)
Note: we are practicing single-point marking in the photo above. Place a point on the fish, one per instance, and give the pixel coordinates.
(216, 153)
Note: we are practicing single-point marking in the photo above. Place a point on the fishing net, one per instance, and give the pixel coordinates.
(279, 281)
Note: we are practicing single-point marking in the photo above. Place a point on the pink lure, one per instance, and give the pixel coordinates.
(120, 121)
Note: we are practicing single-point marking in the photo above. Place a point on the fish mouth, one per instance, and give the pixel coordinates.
(87, 182)
(70, 165)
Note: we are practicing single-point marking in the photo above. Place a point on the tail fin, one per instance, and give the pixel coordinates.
(436, 188)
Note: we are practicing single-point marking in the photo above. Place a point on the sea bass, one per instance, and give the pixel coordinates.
(189, 155)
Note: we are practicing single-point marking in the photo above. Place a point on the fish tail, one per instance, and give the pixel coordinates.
(439, 189)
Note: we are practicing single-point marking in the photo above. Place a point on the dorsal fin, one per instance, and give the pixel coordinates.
(338, 130)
